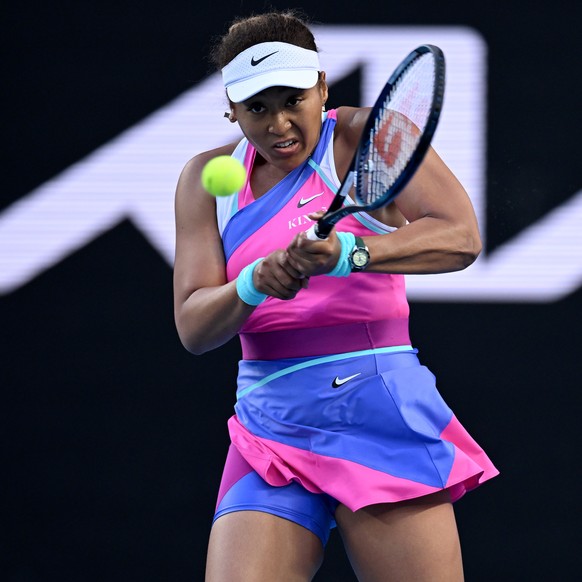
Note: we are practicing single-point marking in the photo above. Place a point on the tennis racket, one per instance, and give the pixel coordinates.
(395, 138)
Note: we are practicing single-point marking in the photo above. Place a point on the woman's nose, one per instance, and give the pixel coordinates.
(279, 123)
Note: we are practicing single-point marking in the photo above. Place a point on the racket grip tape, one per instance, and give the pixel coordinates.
(317, 232)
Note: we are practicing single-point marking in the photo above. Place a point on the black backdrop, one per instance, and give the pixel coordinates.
(113, 436)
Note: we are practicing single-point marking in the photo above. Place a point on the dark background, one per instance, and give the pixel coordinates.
(113, 436)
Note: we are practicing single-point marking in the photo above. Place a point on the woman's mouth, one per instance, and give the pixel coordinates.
(285, 144)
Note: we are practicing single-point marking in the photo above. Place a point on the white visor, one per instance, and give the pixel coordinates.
(269, 64)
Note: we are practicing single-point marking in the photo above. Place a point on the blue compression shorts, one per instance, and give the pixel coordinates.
(243, 489)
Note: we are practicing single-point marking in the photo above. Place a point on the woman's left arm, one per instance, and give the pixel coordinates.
(439, 232)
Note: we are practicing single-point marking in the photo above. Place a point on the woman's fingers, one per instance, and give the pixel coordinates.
(276, 277)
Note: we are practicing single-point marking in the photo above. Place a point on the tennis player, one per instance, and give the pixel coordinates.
(336, 423)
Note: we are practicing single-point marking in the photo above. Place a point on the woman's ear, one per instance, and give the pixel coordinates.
(323, 89)
(230, 116)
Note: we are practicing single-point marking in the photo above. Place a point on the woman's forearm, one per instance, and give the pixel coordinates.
(428, 245)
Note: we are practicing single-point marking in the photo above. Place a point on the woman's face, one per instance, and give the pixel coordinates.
(283, 123)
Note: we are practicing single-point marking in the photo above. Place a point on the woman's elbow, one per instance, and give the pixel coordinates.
(195, 348)
(189, 339)
(194, 345)
(470, 248)
(197, 340)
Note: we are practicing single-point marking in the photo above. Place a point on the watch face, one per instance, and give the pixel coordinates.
(360, 258)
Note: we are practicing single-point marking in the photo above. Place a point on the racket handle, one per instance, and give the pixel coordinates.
(314, 233)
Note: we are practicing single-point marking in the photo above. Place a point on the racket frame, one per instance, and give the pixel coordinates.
(337, 210)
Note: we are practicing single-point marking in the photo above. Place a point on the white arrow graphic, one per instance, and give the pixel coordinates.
(134, 176)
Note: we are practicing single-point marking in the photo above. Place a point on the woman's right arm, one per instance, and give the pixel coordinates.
(207, 309)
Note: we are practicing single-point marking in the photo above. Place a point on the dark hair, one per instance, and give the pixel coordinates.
(286, 26)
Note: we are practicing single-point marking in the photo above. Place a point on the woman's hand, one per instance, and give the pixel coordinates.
(308, 257)
(276, 277)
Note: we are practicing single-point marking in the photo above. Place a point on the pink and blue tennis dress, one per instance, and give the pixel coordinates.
(333, 405)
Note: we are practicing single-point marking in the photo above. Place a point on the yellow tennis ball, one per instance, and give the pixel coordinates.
(223, 176)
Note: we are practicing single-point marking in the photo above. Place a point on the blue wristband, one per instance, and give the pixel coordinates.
(246, 288)
(343, 267)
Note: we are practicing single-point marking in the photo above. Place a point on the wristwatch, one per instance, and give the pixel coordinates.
(359, 256)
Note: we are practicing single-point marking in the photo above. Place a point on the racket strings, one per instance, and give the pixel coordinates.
(397, 130)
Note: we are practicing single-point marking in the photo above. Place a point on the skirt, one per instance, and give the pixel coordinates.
(362, 427)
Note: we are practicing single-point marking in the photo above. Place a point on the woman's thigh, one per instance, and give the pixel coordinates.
(410, 540)
(253, 546)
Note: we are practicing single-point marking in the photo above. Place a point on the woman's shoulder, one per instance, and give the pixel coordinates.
(190, 197)
(350, 121)
(195, 164)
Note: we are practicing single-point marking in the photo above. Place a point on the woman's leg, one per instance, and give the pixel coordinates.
(410, 540)
(253, 546)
